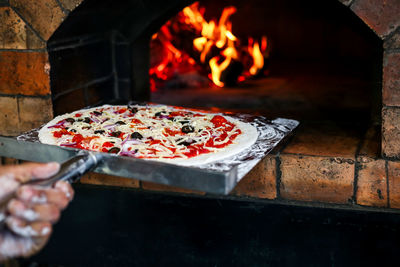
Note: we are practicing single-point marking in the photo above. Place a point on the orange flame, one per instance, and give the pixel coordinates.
(214, 36)
(257, 55)
(219, 35)
(217, 69)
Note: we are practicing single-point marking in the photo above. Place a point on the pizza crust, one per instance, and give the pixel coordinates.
(243, 141)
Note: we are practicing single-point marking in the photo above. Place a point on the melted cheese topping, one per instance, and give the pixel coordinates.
(154, 132)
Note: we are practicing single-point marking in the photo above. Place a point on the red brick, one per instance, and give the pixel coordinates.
(70, 4)
(393, 42)
(9, 123)
(311, 178)
(394, 184)
(371, 171)
(260, 182)
(371, 185)
(109, 180)
(44, 15)
(371, 145)
(167, 188)
(33, 112)
(391, 132)
(391, 79)
(24, 73)
(15, 34)
(380, 16)
(324, 140)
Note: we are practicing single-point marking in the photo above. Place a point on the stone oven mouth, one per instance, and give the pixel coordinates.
(323, 72)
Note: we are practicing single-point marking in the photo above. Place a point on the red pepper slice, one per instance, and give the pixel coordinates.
(122, 110)
(108, 144)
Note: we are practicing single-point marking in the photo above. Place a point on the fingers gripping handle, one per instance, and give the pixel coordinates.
(70, 171)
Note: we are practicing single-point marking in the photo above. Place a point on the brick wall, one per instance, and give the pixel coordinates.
(25, 93)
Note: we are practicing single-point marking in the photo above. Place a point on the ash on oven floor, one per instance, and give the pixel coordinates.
(110, 227)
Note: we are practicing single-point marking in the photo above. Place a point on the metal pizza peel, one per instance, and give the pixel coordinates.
(218, 177)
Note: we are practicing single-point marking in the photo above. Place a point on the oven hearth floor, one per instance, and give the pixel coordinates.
(304, 97)
(333, 156)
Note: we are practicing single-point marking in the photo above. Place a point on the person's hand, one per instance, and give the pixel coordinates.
(29, 216)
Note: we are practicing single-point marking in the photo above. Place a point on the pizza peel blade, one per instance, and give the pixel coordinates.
(217, 182)
(33, 151)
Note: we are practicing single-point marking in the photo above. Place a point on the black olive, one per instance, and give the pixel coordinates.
(171, 118)
(114, 150)
(136, 135)
(73, 130)
(115, 134)
(87, 120)
(184, 122)
(120, 123)
(86, 128)
(187, 129)
(98, 113)
(80, 120)
(158, 114)
(186, 143)
(70, 120)
(199, 130)
(99, 132)
(133, 109)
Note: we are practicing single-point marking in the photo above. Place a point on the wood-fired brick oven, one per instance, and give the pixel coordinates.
(58, 56)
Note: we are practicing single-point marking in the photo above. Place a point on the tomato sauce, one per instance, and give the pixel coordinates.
(218, 121)
(60, 133)
(136, 121)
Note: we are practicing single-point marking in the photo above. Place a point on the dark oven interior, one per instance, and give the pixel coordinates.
(324, 62)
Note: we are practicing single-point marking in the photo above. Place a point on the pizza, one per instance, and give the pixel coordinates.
(155, 132)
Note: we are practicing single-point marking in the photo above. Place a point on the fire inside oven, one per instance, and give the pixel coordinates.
(281, 59)
(287, 59)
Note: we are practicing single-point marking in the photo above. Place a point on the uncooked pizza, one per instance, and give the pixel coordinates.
(155, 132)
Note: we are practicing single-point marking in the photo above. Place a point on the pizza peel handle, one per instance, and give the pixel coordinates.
(70, 171)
